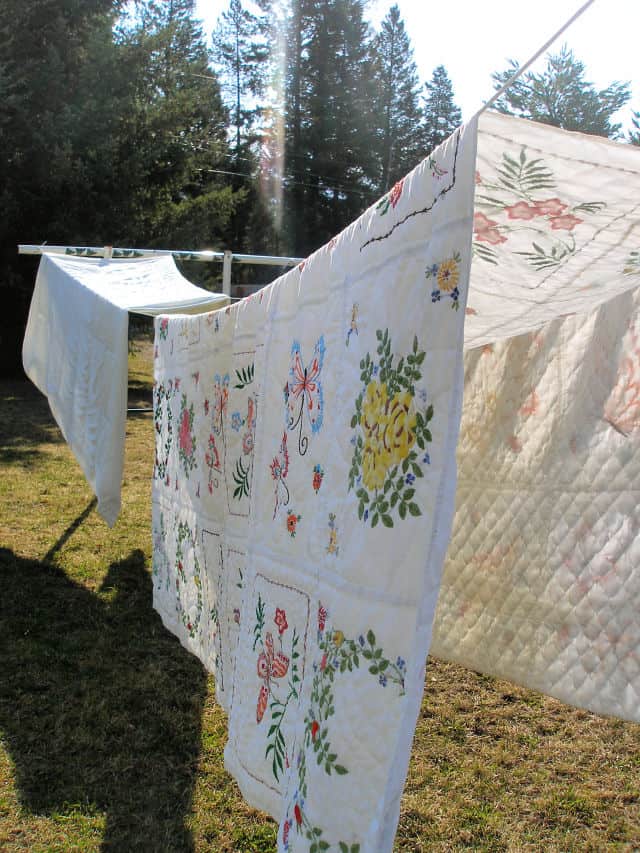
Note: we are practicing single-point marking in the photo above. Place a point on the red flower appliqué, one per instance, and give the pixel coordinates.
(281, 620)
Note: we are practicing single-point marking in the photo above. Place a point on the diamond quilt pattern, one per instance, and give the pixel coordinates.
(542, 580)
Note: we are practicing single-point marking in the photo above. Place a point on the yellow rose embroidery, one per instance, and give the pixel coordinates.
(391, 435)
(376, 457)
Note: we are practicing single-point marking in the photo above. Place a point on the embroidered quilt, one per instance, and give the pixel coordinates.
(303, 492)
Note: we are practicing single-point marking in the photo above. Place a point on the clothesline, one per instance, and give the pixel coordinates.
(207, 256)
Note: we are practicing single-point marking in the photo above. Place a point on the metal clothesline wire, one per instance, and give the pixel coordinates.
(535, 56)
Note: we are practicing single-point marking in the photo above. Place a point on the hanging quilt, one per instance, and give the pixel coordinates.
(303, 493)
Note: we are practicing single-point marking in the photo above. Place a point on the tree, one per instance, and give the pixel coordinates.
(561, 96)
(240, 53)
(634, 135)
(400, 144)
(174, 143)
(441, 115)
(329, 171)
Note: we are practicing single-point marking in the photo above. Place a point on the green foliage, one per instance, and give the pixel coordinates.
(441, 115)
(560, 95)
(400, 142)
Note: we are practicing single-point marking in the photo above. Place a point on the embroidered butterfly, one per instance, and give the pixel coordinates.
(303, 392)
(279, 469)
(270, 665)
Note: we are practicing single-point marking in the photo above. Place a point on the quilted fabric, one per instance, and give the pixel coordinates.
(542, 579)
(302, 502)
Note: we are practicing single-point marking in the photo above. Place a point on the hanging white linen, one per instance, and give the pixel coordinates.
(542, 579)
(75, 351)
(302, 502)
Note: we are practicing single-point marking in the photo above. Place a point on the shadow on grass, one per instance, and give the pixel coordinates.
(26, 423)
(100, 707)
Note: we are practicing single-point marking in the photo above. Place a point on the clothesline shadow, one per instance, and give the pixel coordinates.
(27, 422)
(100, 708)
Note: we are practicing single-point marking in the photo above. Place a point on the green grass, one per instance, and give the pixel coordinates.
(110, 738)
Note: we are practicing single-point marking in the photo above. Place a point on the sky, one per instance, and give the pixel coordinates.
(473, 38)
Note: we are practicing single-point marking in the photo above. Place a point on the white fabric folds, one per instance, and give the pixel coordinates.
(75, 351)
(302, 503)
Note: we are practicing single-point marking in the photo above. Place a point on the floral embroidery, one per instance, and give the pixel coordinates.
(447, 276)
(333, 547)
(242, 474)
(164, 431)
(212, 461)
(303, 392)
(318, 476)
(186, 438)
(244, 376)
(353, 326)
(292, 523)
(164, 329)
(279, 469)
(515, 197)
(622, 409)
(436, 171)
(220, 400)
(338, 655)
(390, 430)
(185, 535)
(391, 199)
(272, 666)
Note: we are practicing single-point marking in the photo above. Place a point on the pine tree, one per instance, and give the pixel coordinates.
(330, 166)
(240, 54)
(400, 145)
(441, 115)
(175, 144)
(560, 95)
(634, 135)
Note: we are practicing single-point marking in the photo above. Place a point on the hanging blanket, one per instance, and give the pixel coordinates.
(302, 502)
(75, 351)
(542, 581)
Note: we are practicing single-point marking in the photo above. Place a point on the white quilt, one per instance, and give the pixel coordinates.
(302, 503)
(305, 471)
(542, 579)
(75, 351)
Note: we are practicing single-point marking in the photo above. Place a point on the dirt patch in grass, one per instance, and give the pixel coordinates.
(110, 738)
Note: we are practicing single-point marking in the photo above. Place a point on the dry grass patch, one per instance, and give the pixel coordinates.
(110, 738)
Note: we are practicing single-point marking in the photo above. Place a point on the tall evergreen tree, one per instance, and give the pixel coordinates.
(240, 53)
(560, 95)
(175, 145)
(397, 106)
(441, 115)
(330, 167)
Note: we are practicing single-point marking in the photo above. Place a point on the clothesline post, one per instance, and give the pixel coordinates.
(226, 273)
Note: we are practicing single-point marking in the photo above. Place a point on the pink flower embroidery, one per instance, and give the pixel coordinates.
(567, 222)
(396, 192)
(186, 442)
(550, 207)
(522, 210)
(281, 620)
(478, 177)
(486, 230)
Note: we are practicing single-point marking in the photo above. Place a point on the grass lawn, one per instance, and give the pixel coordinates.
(110, 738)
